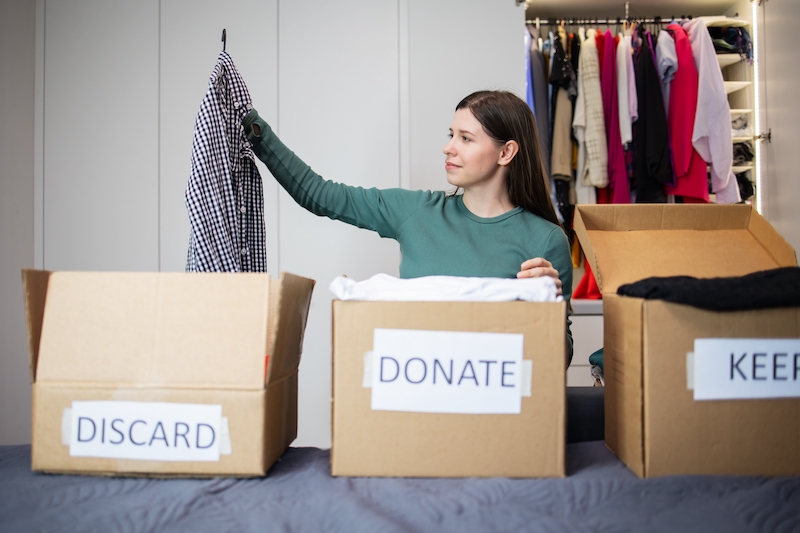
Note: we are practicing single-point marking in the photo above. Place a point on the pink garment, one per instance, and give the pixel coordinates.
(690, 168)
(617, 171)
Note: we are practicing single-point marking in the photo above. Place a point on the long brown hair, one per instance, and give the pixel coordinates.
(505, 117)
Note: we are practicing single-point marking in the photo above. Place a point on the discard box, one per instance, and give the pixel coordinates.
(163, 374)
(414, 343)
(652, 421)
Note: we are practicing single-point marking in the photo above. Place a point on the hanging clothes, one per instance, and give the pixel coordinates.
(690, 169)
(712, 125)
(626, 90)
(540, 96)
(588, 122)
(653, 166)
(529, 96)
(584, 194)
(224, 195)
(666, 63)
(561, 156)
(617, 173)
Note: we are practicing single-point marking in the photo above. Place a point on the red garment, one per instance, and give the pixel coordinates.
(618, 190)
(587, 288)
(617, 170)
(601, 44)
(690, 169)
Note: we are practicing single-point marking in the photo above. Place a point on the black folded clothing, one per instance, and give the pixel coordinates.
(742, 152)
(779, 287)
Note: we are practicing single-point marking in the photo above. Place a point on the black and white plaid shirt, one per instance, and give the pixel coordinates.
(224, 196)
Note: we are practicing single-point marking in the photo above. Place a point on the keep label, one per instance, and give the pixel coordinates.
(726, 369)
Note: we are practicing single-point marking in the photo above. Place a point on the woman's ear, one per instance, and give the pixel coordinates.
(507, 153)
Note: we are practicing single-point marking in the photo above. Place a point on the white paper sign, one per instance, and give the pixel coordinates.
(156, 431)
(447, 372)
(727, 369)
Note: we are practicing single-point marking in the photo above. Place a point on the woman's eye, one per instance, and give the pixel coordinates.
(465, 139)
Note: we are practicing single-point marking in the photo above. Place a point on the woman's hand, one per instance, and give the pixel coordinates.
(538, 267)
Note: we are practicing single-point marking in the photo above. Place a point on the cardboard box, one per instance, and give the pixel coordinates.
(141, 347)
(368, 442)
(652, 421)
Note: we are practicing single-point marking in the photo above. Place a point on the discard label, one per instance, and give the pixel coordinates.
(447, 372)
(726, 369)
(156, 431)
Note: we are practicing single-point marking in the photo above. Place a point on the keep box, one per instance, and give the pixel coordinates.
(652, 421)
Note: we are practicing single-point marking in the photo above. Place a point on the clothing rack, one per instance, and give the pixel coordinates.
(618, 20)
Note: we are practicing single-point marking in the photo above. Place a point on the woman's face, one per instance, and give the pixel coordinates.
(471, 156)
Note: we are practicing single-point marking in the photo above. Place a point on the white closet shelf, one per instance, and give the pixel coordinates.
(742, 139)
(733, 86)
(740, 111)
(741, 168)
(725, 22)
(726, 60)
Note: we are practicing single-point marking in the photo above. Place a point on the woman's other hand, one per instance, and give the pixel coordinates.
(538, 267)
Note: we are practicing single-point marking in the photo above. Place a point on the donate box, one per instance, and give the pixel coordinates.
(163, 374)
(449, 389)
(657, 353)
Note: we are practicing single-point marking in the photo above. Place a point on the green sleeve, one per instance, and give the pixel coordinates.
(373, 209)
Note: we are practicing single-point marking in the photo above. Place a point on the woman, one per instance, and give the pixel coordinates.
(503, 225)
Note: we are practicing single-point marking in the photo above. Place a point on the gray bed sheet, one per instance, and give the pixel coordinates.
(600, 494)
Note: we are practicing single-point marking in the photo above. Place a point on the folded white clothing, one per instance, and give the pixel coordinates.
(446, 289)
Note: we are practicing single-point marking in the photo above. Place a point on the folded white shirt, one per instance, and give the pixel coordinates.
(446, 289)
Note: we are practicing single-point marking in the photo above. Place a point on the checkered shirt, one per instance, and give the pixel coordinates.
(224, 196)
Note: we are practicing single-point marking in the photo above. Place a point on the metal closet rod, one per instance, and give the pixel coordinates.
(618, 20)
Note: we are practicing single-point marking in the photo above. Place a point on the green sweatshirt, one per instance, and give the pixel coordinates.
(438, 235)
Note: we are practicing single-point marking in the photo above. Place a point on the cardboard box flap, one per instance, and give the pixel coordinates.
(627, 243)
(34, 288)
(155, 329)
(292, 300)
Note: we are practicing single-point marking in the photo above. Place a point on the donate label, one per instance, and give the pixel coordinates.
(728, 369)
(447, 372)
(155, 431)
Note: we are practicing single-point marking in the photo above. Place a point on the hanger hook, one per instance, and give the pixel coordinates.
(224, 39)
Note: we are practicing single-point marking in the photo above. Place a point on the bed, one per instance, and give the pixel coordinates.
(599, 494)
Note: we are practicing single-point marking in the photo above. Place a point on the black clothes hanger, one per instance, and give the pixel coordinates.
(224, 39)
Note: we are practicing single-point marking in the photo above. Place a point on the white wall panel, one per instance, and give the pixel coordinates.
(101, 135)
(456, 47)
(780, 72)
(190, 45)
(338, 110)
(17, 32)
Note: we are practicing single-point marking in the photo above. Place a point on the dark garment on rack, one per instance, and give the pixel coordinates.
(653, 163)
(574, 57)
(746, 189)
(540, 99)
(563, 204)
(574, 52)
(778, 287)
(562, 74)
(562, 77)
(742, 153)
